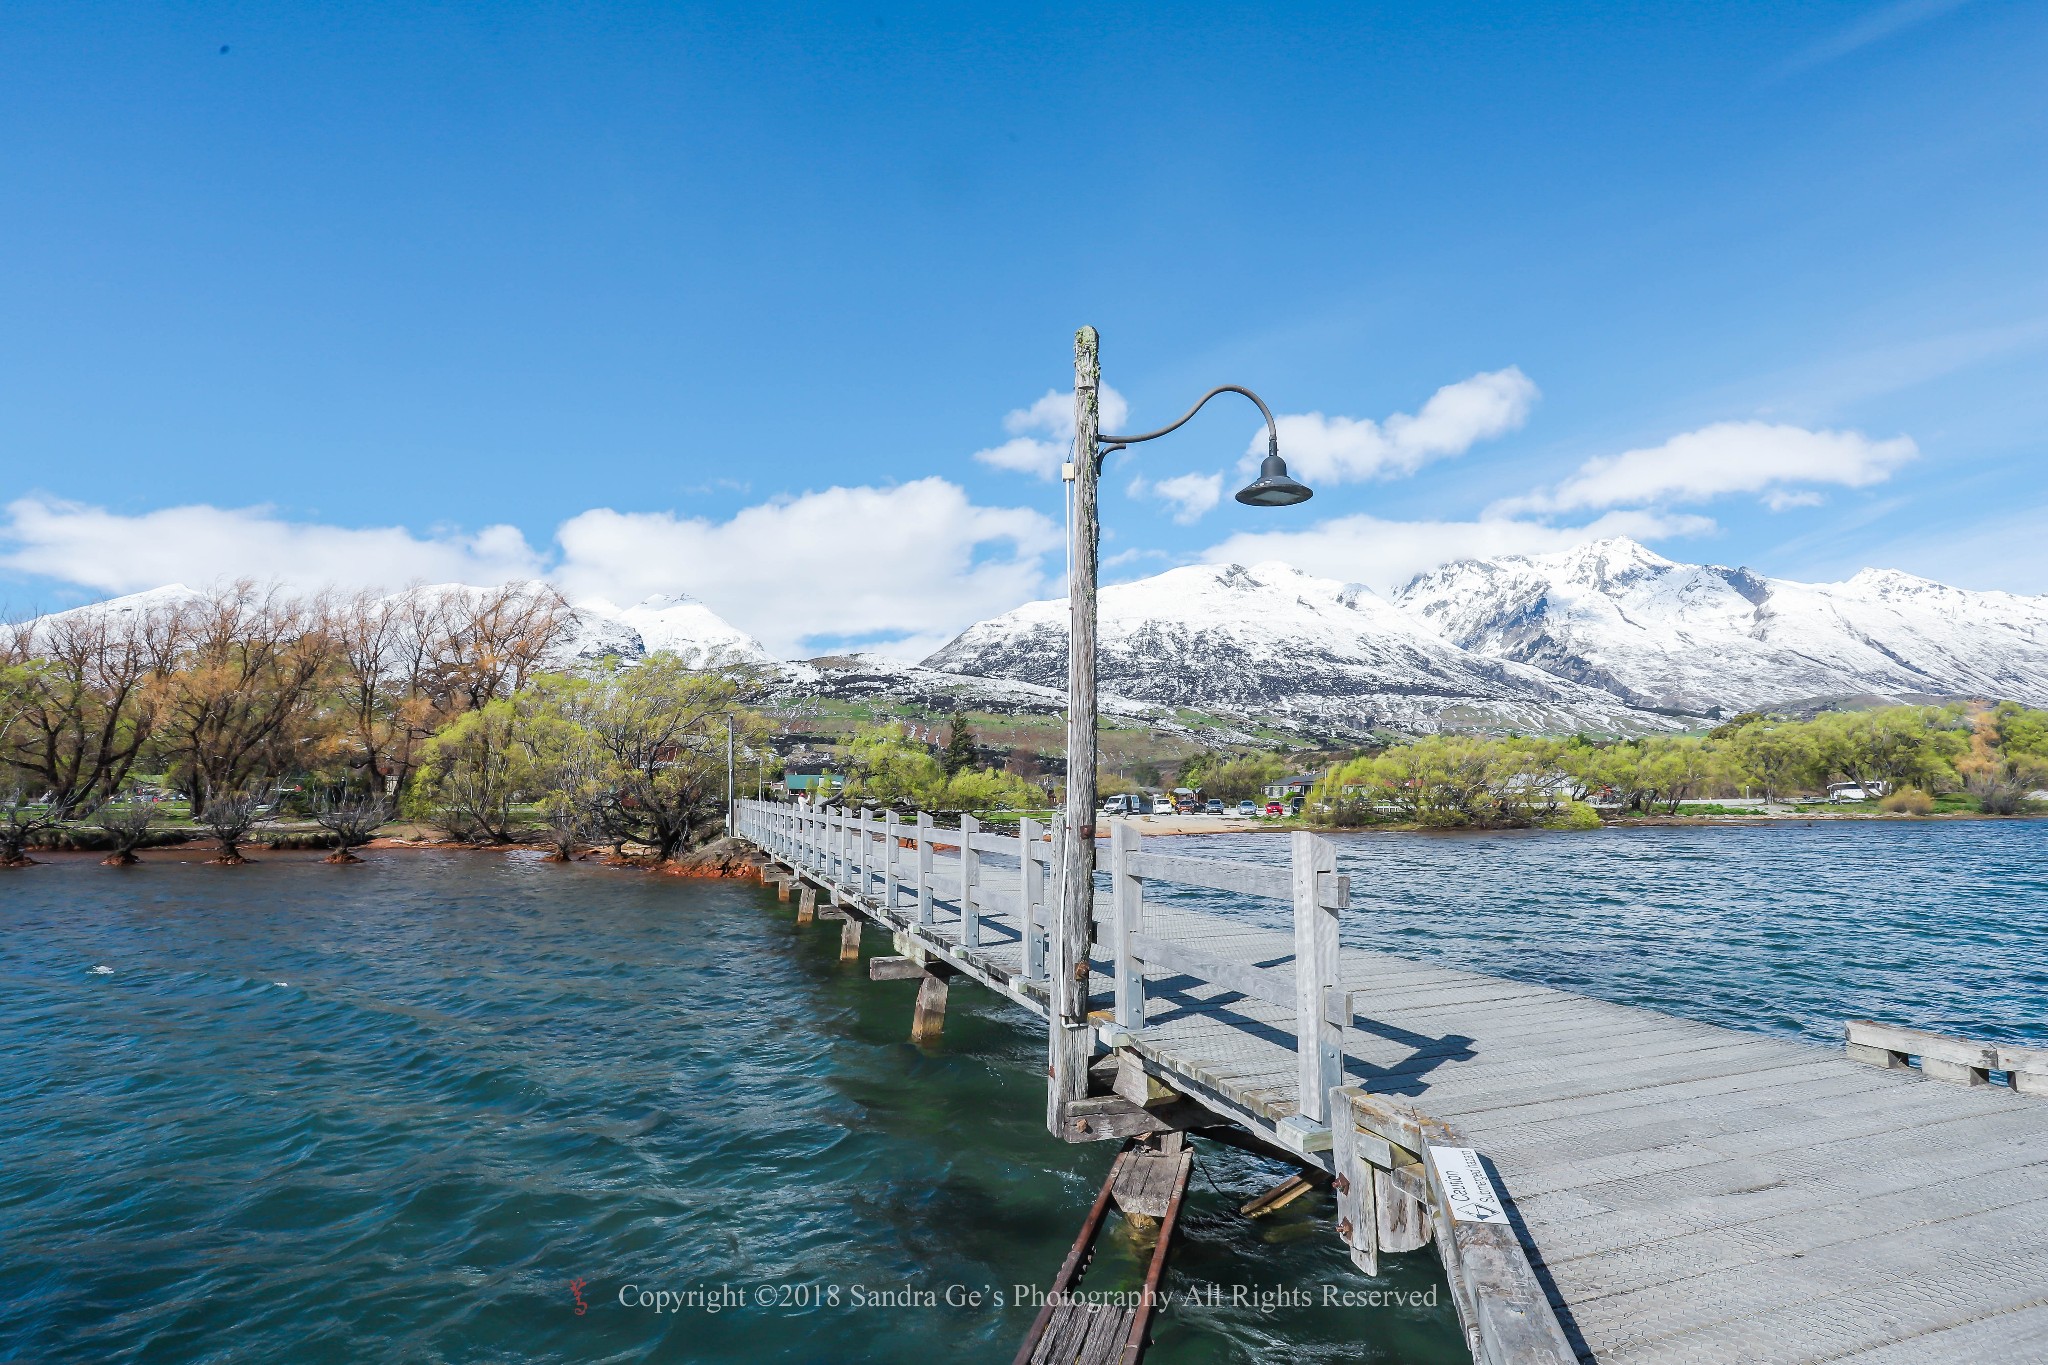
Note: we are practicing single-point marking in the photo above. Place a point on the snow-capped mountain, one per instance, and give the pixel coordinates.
(1272, 642)
(1606, 637)
(1703, 638)
(666, 621)
(669, 621)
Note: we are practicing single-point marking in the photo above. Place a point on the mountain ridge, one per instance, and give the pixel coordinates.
(1607, 636)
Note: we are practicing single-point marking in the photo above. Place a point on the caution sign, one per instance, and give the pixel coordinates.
(1466, 1187)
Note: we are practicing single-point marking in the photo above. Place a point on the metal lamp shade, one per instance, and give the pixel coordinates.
(1273, 488)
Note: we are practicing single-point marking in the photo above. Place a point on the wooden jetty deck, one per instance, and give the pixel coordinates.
(1666, 1190)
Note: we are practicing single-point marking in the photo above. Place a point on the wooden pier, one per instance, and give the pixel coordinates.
(1602, 1182)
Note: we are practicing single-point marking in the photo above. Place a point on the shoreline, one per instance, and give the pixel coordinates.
(1152, 826)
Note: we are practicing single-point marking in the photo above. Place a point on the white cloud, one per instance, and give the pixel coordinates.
(1385, 554)
(1330, 450)
(1043, 433)
(907, 565)
(919, 560)
(95, 548)
(1189, 495)
(1727, 457)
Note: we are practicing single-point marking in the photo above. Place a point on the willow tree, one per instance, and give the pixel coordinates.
(659, 728)
(80, 694)
(251, 672)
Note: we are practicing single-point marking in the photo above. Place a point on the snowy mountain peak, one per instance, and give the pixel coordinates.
(1272, 641)
(1707, 639)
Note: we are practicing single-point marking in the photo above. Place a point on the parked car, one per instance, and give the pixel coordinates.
(1852, 791)
(1124, 804)
(1215, 807)
(1275, 808)
(1247, 808)
(1162, 805)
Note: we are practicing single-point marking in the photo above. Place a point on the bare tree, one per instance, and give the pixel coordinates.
(229, 817)
(370, 649)
(81, 698)
(248, 680)
(352, 821)
(127, 823)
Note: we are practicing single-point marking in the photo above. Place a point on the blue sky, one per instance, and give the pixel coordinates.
(623, 294)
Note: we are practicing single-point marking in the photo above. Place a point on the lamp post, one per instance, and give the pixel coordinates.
(1072, 1041)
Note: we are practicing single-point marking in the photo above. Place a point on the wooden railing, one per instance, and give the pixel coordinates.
(890, 860)
(1318, 894)
(862, 855)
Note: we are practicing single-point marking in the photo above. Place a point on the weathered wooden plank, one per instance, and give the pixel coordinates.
(1943, 1058)
(1127, 894)
(924, 868)
(970, 863)
(1509, 1320)
(1031, 899)
(1244, 879)
(1319, 1042)
(1165, 955)
(892, 847)
(2026, 1068)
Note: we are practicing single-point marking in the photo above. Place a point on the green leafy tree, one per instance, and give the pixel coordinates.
(659, 729)
(471, 774)
(1777, 756)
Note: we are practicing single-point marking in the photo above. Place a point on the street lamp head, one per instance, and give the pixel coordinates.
(1273, 488)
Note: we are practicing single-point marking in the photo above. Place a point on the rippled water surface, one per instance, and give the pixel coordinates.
(1785, 928)
(392, 1112)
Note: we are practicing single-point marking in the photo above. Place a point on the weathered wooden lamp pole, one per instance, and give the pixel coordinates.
(1073, 931)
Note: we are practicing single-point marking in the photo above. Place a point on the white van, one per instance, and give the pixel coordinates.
(1855, 791)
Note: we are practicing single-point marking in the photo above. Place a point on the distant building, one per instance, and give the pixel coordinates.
(1297, 785)
(816, 778)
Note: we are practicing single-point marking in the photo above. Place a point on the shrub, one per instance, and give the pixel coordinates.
(1573, 815)
(1908, 801)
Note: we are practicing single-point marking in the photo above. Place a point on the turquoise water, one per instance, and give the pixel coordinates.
(1784, 928)
(392, 1112)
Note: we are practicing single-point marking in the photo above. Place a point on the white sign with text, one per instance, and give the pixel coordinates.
(1466, 1186)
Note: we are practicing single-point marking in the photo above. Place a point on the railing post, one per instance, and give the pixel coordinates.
(1127, 896)
(835, 841)
(891, 832)
(1031, 893)
(1318, 894)
(924, 867)
(970, 877)
(860, 862)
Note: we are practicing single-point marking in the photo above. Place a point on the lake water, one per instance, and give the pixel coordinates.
(394, 1111)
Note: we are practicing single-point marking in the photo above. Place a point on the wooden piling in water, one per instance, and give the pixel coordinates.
(929, 1019)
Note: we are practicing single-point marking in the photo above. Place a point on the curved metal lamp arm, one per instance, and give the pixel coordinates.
(1272, 431)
